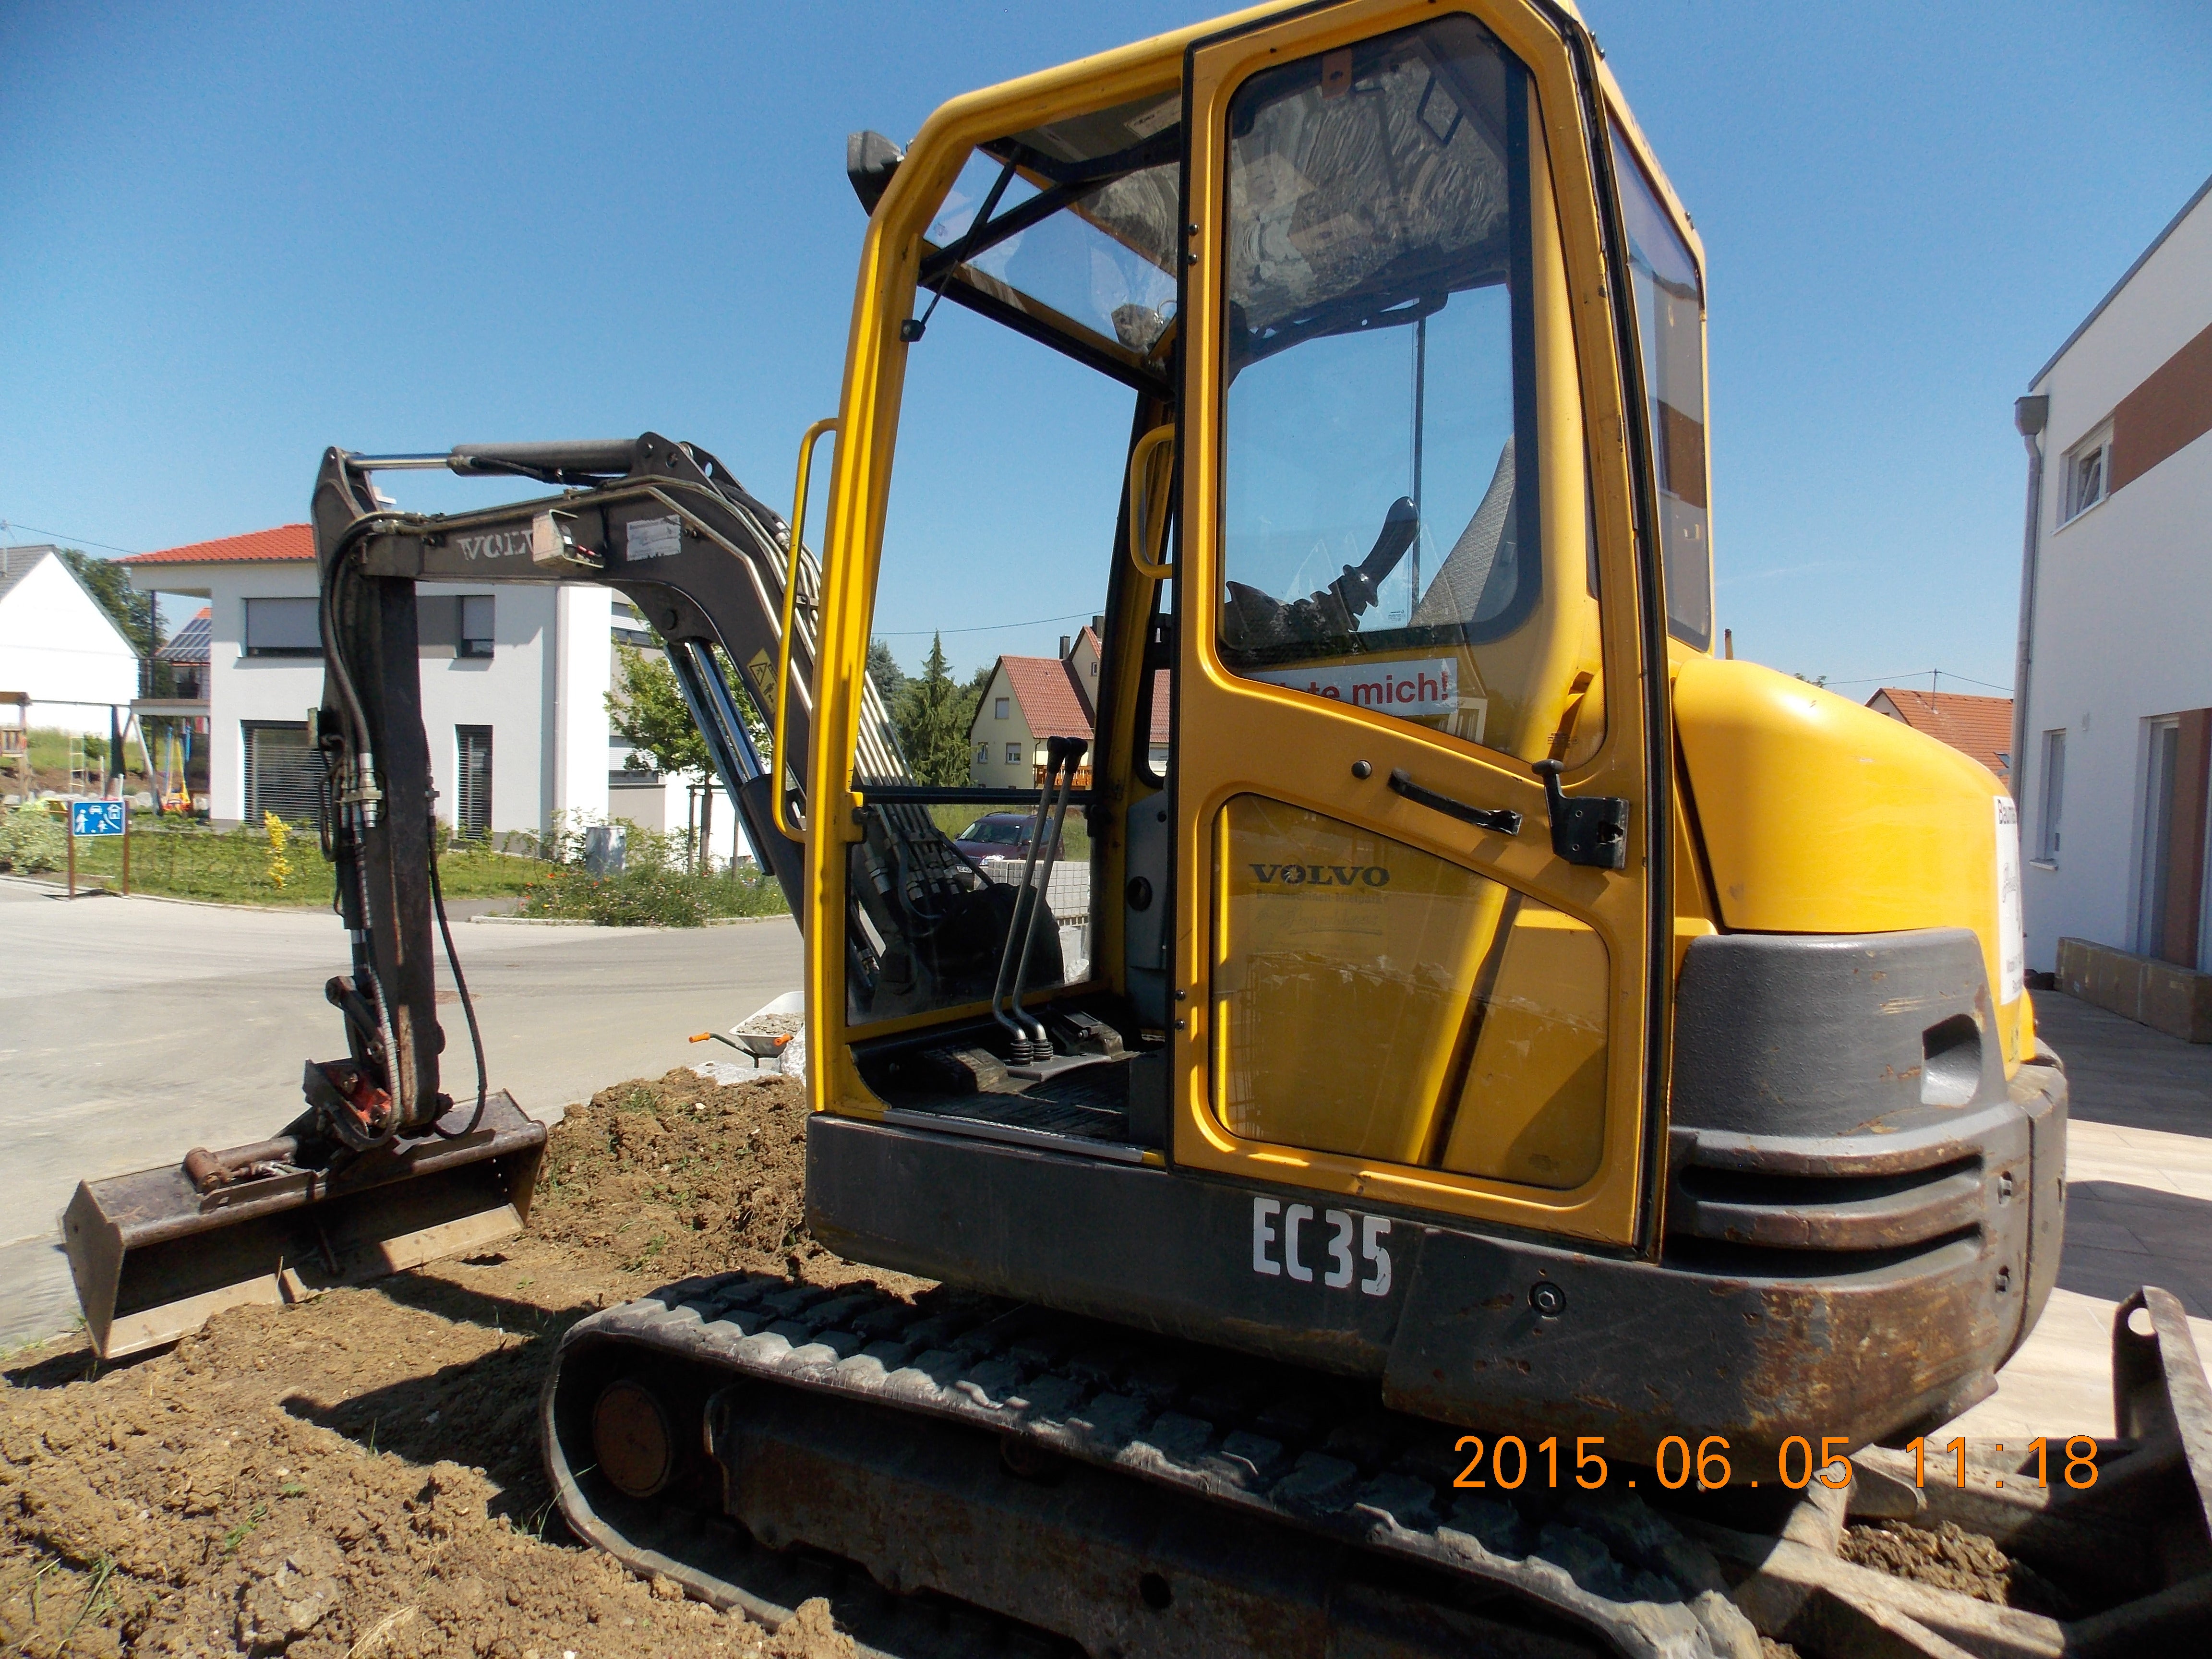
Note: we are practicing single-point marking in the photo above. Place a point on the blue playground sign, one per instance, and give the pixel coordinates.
(95, 817)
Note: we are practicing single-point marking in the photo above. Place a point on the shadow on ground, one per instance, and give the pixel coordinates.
(2119, 1236)
(479, 1411)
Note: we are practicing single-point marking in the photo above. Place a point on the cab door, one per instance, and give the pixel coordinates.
(1407, 574)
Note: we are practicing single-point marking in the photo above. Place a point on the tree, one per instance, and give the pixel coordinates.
(647, 711)
(933, 717)
(110, 584)
(883, 668)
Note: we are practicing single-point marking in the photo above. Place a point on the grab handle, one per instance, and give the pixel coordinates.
(1148, 514)
(791, 573)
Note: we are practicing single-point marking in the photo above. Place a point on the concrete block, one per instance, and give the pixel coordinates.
(2167, 998)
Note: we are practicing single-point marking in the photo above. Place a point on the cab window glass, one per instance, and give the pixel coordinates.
(1671, 319)
(1381, 540)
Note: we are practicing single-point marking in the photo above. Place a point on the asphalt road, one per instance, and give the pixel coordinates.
(132, 1030)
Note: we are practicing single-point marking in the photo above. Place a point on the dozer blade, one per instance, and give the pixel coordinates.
(154, 1257)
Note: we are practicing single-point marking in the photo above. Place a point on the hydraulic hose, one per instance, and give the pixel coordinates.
(460, 989)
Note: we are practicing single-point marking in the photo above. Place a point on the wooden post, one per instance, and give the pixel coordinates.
(72, 849)
(126, 845)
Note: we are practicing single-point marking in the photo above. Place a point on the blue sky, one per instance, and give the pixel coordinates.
(232, 235)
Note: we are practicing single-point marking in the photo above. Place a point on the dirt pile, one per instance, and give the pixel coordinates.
(359, 1476)
(1949, 1557)
(683, 1176)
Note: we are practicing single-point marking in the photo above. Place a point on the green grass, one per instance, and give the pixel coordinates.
(232, 867)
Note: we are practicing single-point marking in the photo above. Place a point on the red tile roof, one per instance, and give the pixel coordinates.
(1045, 688)
(286, 542)
(1054, 704)
(1979, 727)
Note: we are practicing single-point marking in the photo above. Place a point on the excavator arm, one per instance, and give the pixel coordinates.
(383, 1169)
(662, 523)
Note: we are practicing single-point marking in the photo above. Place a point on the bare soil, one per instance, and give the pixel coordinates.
(1949, 1557)
(358, 1478)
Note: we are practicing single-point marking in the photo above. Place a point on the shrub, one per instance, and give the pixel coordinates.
(32, 839)
(652, 897)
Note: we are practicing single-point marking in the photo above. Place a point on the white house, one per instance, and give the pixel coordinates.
(514, 683)
(2112, 743)
(59, 646)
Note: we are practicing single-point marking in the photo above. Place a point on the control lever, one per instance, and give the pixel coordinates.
(1587, 829)
(1255, 620)
(1029, 1042)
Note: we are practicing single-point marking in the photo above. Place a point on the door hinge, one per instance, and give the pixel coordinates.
(1588, 830)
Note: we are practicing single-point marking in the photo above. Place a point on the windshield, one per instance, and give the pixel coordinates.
(993, 832)
(1067, 233)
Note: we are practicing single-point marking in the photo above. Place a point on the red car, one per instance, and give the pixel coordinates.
(999, 836)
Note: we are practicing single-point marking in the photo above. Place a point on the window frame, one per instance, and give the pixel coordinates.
(463, 735)
(252, 779)
(247, 648)
(2097, 443)
(2050, 798)
(476, 648)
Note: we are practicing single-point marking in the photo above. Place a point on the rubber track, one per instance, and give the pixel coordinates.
(1310, 1451)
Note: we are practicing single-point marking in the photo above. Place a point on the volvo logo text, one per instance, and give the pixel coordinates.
(1321, 875)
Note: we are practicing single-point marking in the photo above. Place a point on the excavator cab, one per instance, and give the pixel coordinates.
(1459, 985)
(1287, 354)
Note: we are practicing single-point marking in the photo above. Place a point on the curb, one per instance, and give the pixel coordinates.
(60, 889)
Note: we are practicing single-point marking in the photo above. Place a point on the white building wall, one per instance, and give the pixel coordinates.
(57, 645)
(2123, 593)
(545, 709)
(503, 692)
(579, 672)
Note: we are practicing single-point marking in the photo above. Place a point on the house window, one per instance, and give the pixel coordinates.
(475, 625)
(2053, 803)
(472, 776)
(2087, 464)
(982, 754)
(1013, 754)
(283, 628)
(2169, 898)
(283, 775)
(999, 709)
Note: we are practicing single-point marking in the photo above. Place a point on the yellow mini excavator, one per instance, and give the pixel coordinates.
(1464, 1099)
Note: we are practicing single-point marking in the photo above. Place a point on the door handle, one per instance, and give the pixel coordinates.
(1591, 830)
(1503, 819)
